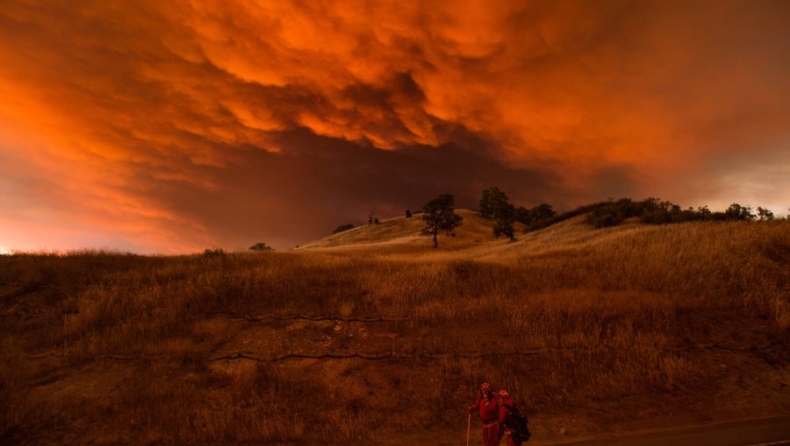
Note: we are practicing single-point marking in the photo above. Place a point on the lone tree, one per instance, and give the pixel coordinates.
(439, 215)
(261, 247)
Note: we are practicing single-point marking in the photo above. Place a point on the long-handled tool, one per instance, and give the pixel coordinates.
(468, 427)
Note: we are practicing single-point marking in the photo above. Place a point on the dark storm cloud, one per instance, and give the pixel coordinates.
(331, 181)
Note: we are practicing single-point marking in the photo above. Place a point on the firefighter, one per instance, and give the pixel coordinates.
(488, 409)
(507, 403)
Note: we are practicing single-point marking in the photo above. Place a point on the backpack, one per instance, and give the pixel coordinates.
(518, 424)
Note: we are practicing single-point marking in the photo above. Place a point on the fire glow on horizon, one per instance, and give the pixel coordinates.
(176, 126)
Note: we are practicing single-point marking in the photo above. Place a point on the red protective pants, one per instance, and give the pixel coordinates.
(491, 434)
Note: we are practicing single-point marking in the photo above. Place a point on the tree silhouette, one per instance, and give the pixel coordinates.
(505, 217)
(439, 215)
(492, 202)
(738, 212)
(764, 213)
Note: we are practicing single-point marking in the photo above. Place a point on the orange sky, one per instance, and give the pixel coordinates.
(170, 127)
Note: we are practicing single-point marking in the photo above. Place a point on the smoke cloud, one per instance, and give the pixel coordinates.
(175, 126)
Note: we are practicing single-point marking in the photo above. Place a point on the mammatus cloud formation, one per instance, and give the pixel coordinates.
(174, 126)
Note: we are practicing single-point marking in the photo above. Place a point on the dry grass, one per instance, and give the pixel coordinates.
(118, 348)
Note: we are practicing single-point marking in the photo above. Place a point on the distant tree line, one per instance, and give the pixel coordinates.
(654, 211)
(651, 211)
(494, 205)
(439, 214)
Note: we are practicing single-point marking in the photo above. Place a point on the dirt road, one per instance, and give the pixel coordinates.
(760, 432)
(766, 432)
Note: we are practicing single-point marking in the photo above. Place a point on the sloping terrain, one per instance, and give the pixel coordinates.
(372, 336)
(401, 233)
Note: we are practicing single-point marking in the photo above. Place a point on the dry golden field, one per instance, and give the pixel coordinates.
(371, 336)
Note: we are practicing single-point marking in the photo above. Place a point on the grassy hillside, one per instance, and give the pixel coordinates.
(371, 334)
(404, 234)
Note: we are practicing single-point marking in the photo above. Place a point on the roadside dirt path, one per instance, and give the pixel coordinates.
(765, 432)
(760, 432)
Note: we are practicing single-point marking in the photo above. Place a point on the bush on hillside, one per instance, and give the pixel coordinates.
(211, 253)
(539, 213)
(343, 228)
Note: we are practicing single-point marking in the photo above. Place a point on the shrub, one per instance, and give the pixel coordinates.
(343, 228)
(211, 253)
